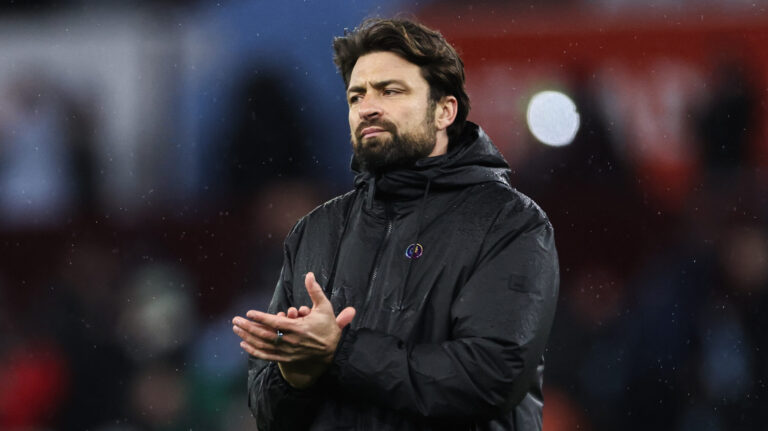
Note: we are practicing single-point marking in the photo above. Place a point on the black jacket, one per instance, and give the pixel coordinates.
(451, 340)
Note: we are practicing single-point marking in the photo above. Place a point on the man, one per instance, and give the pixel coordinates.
(432, 285)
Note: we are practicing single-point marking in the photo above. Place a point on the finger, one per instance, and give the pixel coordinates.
(267, 356)
(266, 337)
(256, 342)
(281, 314)
(286, 346)
(248, 324)
(266, 333)
(292, 313)
(315, 291)
(245, 323)
(274, 321)
(304, 311)
(345, 316)
(255, 336)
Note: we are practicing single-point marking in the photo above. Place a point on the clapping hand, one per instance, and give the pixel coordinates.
(301, 340)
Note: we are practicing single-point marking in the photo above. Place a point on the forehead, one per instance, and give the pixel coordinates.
(381, 66)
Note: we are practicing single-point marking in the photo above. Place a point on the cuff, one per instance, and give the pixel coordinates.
(276, 379)
(341, 356)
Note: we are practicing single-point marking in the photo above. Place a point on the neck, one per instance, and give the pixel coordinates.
(441, 144)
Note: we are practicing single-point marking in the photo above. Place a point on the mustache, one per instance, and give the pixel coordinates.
(380, 123)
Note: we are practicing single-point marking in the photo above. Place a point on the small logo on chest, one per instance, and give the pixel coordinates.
(414, 251)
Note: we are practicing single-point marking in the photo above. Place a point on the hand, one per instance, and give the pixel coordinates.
(294, 313)
(299, 374)
(309, 341)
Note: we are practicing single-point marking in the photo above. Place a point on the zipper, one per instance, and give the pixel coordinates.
(375, 271)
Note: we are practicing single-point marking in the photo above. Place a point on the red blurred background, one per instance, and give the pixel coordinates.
(154, 155)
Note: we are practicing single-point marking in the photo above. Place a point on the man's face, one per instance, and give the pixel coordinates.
(391, 117)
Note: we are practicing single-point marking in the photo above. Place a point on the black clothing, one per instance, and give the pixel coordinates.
(451, 340)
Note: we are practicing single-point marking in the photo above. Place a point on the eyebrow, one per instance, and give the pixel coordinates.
(377, 85)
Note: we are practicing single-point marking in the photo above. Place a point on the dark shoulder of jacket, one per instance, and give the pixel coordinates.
(520, 211)
(334, 209)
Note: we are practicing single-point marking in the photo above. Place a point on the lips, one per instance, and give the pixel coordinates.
(372, 129)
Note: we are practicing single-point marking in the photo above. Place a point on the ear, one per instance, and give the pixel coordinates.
(445, 112)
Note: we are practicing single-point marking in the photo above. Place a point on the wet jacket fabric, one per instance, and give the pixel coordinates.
(449, 334)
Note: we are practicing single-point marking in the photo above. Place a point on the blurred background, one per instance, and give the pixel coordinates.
(153, 155)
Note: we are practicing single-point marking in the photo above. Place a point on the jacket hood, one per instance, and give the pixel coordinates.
(473, 159)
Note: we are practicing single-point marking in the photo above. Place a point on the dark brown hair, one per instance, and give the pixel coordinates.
(440, 65)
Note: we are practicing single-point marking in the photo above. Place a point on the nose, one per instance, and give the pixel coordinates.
(369, 109)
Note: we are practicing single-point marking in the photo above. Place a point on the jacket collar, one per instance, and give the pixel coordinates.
(473, 159)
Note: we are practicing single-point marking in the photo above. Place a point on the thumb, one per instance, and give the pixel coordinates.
(315, 291)
(345, 316)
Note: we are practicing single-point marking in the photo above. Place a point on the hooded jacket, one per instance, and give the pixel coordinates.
(454, 276)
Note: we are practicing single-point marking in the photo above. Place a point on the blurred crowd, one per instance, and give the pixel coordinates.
(152, 160)
(662, 308)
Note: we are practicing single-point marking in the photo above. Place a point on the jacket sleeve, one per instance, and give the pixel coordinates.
(500, 322)
(273, 402)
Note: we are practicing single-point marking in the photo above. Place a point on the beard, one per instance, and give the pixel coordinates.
(393, 150)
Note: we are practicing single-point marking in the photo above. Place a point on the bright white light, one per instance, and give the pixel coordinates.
(552, 118)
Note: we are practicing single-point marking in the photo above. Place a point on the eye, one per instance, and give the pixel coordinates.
(354, 99)
(390, 91)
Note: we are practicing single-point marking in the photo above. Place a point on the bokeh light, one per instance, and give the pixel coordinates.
(552, 118)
